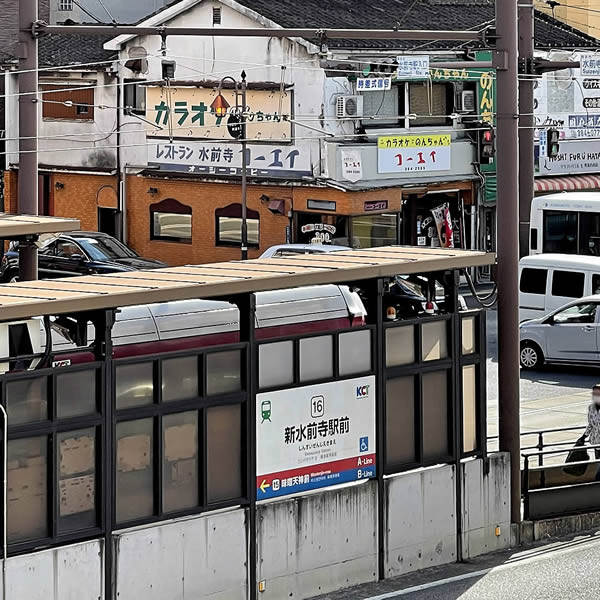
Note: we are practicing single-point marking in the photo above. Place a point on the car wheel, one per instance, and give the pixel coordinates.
(531, 356)
(11, 277)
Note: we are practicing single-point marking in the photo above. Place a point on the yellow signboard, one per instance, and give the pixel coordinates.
(414, 141)
(185, 112)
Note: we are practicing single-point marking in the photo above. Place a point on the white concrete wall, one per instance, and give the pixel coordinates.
(68, 573)
(213, 58)
(199, 558)
(318, 543)
(486, 505)
(76, 143)
(420, 520)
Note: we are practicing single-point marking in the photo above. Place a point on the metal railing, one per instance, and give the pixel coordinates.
(541, 444)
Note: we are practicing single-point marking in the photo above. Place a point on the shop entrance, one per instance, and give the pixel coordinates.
(430, 219)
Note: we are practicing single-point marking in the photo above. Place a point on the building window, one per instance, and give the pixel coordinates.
(229, 226)
(171, 221)
(217, 15)
(58, 102)
(65, 5)
(382, 109)
(430, 99)
(135, 96)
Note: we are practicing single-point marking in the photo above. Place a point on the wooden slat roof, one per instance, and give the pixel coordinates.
(15, 226)
(96, 292)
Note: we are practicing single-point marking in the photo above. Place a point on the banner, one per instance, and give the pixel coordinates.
(314, 437)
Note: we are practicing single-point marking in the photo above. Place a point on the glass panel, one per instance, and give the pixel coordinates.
(435, 340)
(469, 381)
(580, 313)
(134, 385)
(533, 281)
(589, 233)
(316, 358)
(77, 479)
(428, 99)
(223, 372)
(568, 284)
(180, 378)
(230, 231)
(400, 424)
(399, 346)
(355, 352)
(275, 364)
(76, 393)
(375, 230)
(27, 485)
(172, 225)
(468, 335)
(560, 232)
(436, 443)
(383, 104)
(135, 473)
(224, 452)
(180, 461)
(27, 400)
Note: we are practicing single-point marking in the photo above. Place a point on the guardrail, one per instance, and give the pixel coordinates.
(560, 489)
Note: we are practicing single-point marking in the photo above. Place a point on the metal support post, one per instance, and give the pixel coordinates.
(103, 349)
(526, 122)
(380, 415)
(507, 166)
(27, 200)
(244, 171)
(247, 307)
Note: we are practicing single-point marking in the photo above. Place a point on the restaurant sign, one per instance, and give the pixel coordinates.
(213, 158)
(410, 153)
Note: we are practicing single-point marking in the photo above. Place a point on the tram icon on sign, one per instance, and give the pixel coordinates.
(265, 411)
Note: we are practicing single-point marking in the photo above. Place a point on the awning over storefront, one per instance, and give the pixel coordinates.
(567, 184)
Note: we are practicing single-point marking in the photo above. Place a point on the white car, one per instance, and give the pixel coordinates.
(283, 250)
(569, 335)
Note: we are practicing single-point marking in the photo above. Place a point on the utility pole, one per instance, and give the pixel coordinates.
(507, 167)
(27, 202)
(526, 122)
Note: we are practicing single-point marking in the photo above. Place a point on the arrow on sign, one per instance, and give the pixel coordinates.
(264, 485)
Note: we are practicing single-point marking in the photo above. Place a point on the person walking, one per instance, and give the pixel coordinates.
(592, 432)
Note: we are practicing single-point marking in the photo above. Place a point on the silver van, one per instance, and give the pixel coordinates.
(549, 281)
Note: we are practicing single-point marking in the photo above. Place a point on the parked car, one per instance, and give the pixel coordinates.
(569, 335)
(283, 250)
(78, 253)
(549, 281)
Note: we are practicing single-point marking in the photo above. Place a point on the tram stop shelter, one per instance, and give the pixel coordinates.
(186, 456)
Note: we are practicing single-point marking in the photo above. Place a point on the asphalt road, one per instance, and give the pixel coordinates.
(563, 570)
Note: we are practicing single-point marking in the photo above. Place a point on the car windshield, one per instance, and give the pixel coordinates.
(105, 248)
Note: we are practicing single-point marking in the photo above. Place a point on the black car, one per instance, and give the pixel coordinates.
(78, 253)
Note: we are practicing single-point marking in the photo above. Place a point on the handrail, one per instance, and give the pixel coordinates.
(562, 451)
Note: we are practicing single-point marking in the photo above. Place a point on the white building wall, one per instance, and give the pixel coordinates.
(213, 58)
(70, 143)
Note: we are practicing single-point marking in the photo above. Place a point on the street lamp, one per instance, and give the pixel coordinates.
(237, 122)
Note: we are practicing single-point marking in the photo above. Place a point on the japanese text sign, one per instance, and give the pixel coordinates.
(589, 65)
(187, 113)
(226, 159)
(373, 84)
(315, 436)
(410, 153)
(413, 67)
(351, 165)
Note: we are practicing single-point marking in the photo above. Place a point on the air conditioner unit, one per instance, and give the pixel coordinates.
(465, 101)
(349, 107)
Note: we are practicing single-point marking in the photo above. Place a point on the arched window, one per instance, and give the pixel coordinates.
(171, 221)
(229, 226)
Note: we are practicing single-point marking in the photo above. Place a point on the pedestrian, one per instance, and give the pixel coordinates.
(592, 431)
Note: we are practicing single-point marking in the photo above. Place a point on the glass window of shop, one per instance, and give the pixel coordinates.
(359, 231)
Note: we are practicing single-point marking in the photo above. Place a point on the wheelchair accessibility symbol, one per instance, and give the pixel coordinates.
(363, 444)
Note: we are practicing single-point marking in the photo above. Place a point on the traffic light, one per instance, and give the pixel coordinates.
(553, 145)
(487, 145)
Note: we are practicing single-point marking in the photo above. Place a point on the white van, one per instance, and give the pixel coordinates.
(548, 281)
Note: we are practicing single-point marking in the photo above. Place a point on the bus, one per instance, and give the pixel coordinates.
(565, 223)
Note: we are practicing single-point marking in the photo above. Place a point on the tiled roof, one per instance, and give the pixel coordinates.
(57, 50)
